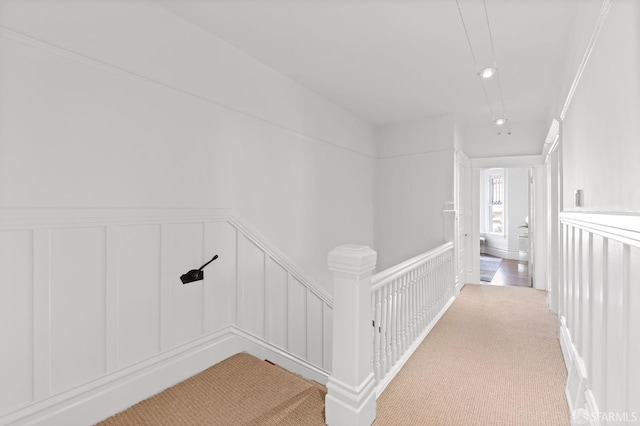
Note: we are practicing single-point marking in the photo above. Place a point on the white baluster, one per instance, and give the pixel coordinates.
(396, 321)
(423, 313)
(377, 327)
(433, 289)
(418, 279)
(404, 302)
(409, 310)
(401, 329)
(384, 335)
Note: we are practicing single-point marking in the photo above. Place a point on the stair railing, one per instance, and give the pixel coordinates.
(378, 321)
(405, 301)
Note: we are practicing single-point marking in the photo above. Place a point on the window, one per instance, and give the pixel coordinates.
(496, 204)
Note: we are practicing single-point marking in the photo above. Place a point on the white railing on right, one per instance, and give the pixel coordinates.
(402, 303)
(405, 301)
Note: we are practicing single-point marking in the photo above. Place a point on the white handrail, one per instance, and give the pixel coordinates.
(389, 274)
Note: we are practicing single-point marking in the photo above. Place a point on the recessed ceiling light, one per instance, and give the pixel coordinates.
(487, 72)
(501, 121)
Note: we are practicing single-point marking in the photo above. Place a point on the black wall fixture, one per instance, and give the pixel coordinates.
(196, 274)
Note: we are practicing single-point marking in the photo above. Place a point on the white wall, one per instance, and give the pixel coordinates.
(599, 151)
(114, 104)
(601, 128)
(415, 177)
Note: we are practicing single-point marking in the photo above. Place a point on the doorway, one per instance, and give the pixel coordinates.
(503, 222)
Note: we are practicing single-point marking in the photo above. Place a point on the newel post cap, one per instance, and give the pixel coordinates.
(352, 259)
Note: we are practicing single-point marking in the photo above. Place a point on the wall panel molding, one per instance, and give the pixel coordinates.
(111, 297)
(41, 314)
(122, 267)
(599, 291)
(620, 227)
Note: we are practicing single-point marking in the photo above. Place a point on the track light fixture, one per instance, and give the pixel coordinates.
(488, 72)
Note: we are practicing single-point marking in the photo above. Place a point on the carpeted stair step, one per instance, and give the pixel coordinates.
(241, 390)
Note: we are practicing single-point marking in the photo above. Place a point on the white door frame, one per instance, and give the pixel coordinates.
(487, 163)
(554, 196)
(548, 203)
(464, 215)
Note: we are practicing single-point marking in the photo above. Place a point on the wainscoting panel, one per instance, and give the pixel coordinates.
(92, 307)
(586, 293)
(576, 300)
(276, 304)
(251, 291)
(600, 313)
(632, 301)
(138, 292)
(16, 308)
(78, 321)
(327, 336)
(615, 344)
(314, 329)
(297, 318)
(569, 266)
(182, 250)
(597, 321)
(220, 299)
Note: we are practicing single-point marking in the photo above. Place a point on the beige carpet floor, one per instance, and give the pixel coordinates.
(241, 390)
(493, 359)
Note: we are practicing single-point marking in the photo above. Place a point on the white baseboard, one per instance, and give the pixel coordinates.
(99, 399)
(458, 287)
(580, 399)
(265, 350)
(503, 253)
(403, 360)
(565, 343)
(112, 393)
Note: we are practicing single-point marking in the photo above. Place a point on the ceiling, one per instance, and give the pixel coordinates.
(391, 61)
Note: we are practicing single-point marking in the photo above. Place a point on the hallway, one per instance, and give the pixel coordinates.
(140, 139)
(493, 358)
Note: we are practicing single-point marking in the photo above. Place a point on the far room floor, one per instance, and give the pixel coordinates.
(509, 272)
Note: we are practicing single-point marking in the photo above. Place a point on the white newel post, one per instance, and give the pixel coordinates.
(351, 397)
